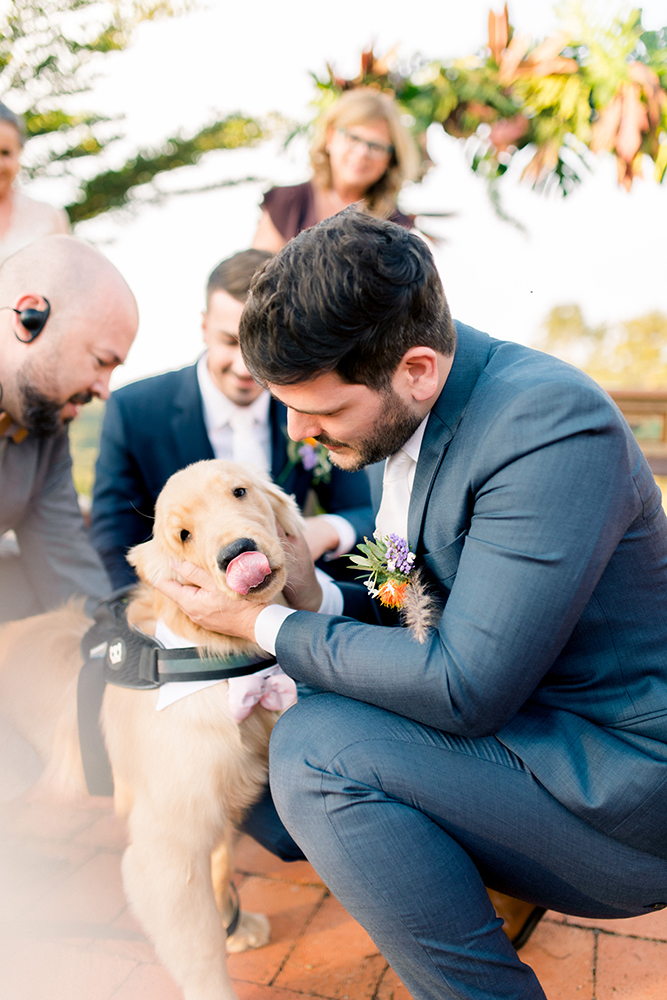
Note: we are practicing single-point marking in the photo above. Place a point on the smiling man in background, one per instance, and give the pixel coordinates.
(68, 319)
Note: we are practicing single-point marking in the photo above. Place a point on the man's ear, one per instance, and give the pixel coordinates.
(30, 313)
(204, 326)
(419, 372)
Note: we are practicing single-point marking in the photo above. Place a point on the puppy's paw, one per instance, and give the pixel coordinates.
(253, 931)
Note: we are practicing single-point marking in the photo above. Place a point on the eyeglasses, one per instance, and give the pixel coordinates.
(376, 150)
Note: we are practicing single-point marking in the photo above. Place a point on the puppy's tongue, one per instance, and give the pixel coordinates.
(247, 571)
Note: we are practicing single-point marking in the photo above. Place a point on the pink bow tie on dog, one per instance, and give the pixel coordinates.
(271, 688)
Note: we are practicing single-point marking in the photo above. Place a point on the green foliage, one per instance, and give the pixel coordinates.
(84, 437)
(627, 355)
(50, 50)
(113, 188)
(654, 52)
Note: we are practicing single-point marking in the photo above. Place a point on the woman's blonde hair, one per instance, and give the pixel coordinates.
(361, 106)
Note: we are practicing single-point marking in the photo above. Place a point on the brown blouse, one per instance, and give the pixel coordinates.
(292, 209)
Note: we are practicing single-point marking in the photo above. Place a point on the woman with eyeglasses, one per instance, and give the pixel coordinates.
(361, 153)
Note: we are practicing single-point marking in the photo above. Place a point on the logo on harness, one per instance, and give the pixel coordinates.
(116, 654)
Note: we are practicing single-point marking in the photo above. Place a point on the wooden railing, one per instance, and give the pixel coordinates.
(646, 412)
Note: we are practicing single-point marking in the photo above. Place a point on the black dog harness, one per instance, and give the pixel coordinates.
(115, 653)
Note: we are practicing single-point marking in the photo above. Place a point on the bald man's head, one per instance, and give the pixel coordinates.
(91, 325)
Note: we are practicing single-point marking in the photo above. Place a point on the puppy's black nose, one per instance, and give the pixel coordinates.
(233, 550)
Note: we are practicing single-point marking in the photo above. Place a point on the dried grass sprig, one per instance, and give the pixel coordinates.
(421, 609)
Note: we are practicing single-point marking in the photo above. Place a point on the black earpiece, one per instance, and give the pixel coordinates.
(32, 320)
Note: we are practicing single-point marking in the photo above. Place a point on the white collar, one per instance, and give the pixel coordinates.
(169, 639)
(175, 690)
(413, 445)
(218, 409)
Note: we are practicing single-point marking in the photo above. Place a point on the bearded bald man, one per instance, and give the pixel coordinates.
(68, 319)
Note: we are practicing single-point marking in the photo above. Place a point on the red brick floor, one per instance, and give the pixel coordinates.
(66, 933)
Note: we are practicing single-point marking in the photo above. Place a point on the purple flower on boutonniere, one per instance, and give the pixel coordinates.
(308, 453)
(388, 561)
(312, 456)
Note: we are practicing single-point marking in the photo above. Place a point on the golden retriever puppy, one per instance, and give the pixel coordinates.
(183, 776)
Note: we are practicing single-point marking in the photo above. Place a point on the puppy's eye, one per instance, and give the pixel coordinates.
(185, 534)
(240, 491)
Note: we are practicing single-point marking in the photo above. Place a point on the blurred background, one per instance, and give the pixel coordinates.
(543, 132)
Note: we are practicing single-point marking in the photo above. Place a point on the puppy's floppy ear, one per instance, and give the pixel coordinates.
(150, 562)
(285, 508)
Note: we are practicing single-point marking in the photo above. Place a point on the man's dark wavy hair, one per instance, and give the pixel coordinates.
(350, 296)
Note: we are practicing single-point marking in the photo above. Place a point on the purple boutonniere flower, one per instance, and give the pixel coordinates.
(312, 456)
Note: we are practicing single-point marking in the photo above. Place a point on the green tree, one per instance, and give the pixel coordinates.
(631, 354)
(50, 50)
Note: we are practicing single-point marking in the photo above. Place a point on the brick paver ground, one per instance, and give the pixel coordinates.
(66, 932)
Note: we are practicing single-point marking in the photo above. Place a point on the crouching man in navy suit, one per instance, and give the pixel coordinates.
(522, 745)
(212, 409)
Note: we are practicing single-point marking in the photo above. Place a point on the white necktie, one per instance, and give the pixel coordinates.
(246, 447)
(392, 517)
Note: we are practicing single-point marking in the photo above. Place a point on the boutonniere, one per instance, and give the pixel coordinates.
(396, 582)
(312, 455)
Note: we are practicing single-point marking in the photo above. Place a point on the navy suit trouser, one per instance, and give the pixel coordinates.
(406, 825)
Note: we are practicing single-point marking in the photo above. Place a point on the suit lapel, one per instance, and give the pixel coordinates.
(471, 355)
(187, 421)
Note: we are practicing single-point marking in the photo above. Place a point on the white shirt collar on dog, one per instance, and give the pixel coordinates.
(169, 693)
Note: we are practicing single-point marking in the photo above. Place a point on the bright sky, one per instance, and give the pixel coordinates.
(600, 247)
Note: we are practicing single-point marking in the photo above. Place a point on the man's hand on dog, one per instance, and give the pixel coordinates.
(302, 590)
(203, 602)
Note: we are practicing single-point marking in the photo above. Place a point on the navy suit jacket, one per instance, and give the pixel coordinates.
(542, 530)
(154, 427)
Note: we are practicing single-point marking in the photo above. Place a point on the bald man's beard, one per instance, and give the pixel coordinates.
(40, 415)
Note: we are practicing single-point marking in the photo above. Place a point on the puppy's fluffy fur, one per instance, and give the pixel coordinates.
(183, 776)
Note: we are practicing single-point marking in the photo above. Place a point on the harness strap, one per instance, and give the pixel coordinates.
(171, 665)
(90, 692)
(114, 653)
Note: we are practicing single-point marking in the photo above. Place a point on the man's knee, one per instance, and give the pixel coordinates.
(314, 730)
(323, 738)
(303, 742)
(293, 741)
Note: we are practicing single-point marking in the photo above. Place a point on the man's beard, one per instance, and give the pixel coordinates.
(396, 424)
(40, 415)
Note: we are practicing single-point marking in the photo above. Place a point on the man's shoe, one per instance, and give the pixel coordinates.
(519, 919)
